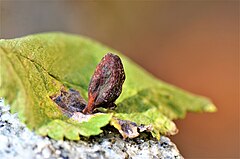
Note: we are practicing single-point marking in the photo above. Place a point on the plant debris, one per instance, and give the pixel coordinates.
(69, 101)
(106, 83)
(129, 129)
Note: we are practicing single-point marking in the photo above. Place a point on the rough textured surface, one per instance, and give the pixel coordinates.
(106, 83)
(19, 142)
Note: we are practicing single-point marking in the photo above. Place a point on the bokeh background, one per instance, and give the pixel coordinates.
(191, 44)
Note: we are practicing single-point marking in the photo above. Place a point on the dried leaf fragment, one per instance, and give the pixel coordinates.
(147, 128)
(126, 128)
(129, 129)
(69, 101)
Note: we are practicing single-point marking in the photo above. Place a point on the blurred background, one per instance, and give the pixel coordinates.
(191, 44)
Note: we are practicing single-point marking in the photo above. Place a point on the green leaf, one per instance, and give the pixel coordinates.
(160, 123)
(71, 129)
(37, 66)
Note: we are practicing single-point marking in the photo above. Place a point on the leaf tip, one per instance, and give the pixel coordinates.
(210, 108)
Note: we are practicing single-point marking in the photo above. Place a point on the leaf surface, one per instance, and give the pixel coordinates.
(35, 67)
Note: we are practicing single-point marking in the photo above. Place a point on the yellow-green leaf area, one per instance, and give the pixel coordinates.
(34, 67)
(58, 129)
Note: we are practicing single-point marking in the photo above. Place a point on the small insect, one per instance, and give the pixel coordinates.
(106, 83)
